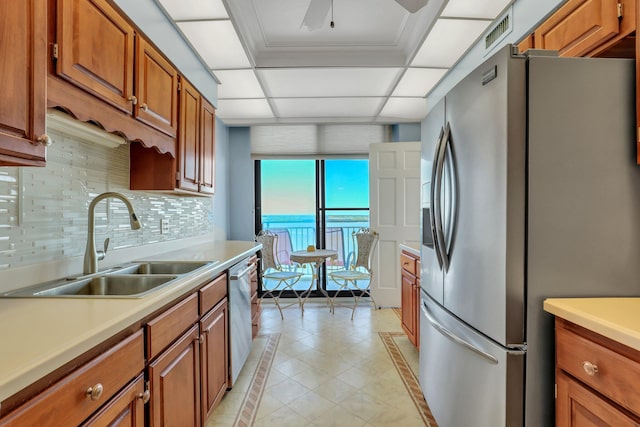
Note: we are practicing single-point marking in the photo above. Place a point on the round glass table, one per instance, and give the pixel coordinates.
(315, 259)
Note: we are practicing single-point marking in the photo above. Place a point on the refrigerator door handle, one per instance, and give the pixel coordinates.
(437, 190)
(432, 199)
(447, 333)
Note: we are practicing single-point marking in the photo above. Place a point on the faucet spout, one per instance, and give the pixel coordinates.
(91, 255)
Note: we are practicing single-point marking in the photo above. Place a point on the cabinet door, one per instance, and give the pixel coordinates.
(208, 147)
(408, 312)
(175, 384)
(579, 27)
(95, 50)
(577, 405)
(156, 89)
(125, 409)
(188, 146)
(214, 358)
(22, 82)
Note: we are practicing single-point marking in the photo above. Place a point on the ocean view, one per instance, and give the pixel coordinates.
(302, 229)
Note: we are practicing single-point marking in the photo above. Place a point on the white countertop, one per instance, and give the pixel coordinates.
(412, 248)
(39, 335)
(614, 318)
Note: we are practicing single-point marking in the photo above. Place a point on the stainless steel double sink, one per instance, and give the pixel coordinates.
(130, 281)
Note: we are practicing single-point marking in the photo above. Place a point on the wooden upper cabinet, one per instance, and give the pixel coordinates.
(96, 50)
(196, 142)
(188, 145)
(156, 89)
(580, 26)
(207, 147)
(23, 44)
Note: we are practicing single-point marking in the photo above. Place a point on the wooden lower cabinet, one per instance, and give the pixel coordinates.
(75, 397)
(410, 296)
(175, 383)
(125, 409)
(185, 350)
(579, 406)
(596, 378)
(214, 358)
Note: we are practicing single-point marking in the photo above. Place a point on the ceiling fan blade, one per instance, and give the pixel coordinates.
(412, 5)
(316, 14)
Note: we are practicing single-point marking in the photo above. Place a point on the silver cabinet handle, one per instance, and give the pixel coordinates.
(447, 333)
(94, 392)
(146, 395)
(590, 368)
(45, 140)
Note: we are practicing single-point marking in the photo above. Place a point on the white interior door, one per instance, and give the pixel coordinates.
(394, 193)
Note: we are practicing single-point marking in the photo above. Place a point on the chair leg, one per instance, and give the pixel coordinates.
(275, 299)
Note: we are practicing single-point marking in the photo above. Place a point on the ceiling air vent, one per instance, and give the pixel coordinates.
(498, 32)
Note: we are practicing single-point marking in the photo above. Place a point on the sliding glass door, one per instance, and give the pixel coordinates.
(313, 202)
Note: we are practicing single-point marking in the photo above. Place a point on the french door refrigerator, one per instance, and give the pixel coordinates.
(530, 189)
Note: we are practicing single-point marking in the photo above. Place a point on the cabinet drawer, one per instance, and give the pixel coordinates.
(616, 376)
(213, 293)
(168, 326)
(408, 263)
(67, 402)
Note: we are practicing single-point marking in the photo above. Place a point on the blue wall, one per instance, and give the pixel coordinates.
(241, 194)
(405, 132)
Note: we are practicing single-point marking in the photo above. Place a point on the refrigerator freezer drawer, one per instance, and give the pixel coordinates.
(466, 379)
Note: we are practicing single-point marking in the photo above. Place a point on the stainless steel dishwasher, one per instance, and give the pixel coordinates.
(240, 316)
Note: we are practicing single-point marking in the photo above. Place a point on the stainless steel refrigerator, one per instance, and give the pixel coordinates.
(530, 189)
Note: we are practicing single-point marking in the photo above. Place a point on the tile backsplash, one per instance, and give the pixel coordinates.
(43, 211)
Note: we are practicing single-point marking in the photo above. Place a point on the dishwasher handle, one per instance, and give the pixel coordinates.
(236, 275)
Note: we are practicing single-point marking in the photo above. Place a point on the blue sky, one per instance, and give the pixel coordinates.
(288, 186)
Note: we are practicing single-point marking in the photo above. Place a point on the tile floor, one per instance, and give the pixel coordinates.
(322, 370)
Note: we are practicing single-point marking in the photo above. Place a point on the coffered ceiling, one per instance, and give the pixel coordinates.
(375, 66)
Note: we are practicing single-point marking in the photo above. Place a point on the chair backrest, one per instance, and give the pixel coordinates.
(269, 244)
(365, 241)
(283, 245)
(334, 240)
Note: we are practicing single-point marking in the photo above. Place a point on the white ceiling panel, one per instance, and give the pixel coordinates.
(195, 9)
(217, 43)
(243, 109)
(418, 81)
(403, 109)
(327, 107)
(238, 84)
(335, 82)
(487, 9)
(447, 41)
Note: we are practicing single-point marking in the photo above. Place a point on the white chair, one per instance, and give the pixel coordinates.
(358, 271)
(275, 280)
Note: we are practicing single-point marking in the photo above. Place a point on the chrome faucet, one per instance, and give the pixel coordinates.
(91, 256)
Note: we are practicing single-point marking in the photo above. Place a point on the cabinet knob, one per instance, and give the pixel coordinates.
(590, 368)
(144, 106)
(132, 99)
(45, 140)
(95, 392)
(146, 395)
